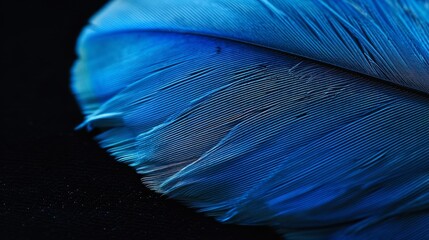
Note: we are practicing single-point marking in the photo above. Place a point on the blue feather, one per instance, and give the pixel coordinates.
(308, 116)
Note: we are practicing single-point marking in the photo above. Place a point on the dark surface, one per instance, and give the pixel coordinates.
(56, 183)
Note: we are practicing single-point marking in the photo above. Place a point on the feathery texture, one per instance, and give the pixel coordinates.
(308, 116)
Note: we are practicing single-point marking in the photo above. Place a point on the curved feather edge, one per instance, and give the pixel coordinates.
(258, 137)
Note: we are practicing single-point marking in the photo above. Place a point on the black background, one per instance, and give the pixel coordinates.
(56, 183)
